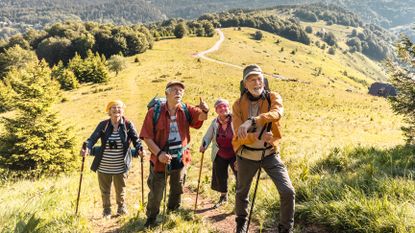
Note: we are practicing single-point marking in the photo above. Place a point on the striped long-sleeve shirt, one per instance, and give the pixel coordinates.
(112, 159)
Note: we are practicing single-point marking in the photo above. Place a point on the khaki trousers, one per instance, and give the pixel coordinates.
(105, 181)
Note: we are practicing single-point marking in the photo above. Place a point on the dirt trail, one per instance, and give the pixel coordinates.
(220, 219)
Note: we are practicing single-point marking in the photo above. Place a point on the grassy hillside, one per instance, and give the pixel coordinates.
(326, 133)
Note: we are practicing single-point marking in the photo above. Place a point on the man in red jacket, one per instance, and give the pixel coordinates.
(168, 141)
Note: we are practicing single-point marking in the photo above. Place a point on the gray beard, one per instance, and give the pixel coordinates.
(257, 92)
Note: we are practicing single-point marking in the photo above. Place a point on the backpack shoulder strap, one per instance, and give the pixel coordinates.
(187, 113)
(268, 97)
(106, 126)
(126, 122)
(156, 114)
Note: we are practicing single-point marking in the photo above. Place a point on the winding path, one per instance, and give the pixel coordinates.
(216, 47)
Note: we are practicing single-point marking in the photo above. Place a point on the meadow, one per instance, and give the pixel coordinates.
(342, 147)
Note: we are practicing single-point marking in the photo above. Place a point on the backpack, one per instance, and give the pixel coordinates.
(157, 102)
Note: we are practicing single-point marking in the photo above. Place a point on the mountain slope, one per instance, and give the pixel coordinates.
(320, 116)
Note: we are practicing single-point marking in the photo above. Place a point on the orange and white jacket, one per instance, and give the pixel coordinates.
(240, 110)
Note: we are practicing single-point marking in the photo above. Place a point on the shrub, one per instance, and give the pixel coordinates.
(180, 30)
(258, 35)
(116, 63)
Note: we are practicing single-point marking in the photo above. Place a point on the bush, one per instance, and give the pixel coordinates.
(258, 35)
(309, 29)
(332, 51)
(117, 63)
(180, 30)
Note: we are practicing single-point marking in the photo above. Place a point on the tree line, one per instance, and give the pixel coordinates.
(287, 28)
(370, 43)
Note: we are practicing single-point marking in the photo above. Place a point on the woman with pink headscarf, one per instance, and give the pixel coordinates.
(220, 133)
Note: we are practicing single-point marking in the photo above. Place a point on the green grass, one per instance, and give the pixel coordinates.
(347, 189)
(361, 190)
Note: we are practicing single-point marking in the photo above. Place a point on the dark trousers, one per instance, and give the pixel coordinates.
(278, 173)
(156, 183)
(220, 173)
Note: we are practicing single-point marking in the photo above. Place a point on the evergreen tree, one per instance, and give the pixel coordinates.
(90, 69)
(12, 58)
(15, 57)
(35, 140)
(403, 78)
(96, 68)
(65, 77)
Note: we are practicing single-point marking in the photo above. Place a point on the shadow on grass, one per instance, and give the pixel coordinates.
(219, 217)
(172, 220)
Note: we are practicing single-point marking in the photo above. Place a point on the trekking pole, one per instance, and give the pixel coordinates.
(165, 194)
(142, 181)
(268, 126)
(80, 180)
(200, 174)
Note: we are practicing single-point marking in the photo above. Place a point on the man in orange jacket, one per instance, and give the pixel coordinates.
(252, 112)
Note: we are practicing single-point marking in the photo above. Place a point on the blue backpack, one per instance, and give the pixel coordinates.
(157, 102)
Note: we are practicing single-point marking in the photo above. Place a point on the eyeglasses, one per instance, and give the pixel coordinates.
(175, 89)
(116, 107)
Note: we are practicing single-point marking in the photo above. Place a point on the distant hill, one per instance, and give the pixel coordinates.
(396, 14)
(18, 15)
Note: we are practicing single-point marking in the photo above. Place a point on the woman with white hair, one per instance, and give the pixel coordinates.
(113, 160)
(220, 133)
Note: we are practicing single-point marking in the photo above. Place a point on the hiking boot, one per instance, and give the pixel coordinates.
(241, 226)
(106, 213)
(223, 199)
(281, 229)
(122, 211)
(150, 222)
(173, 208)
